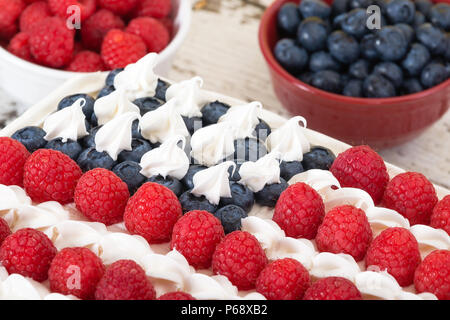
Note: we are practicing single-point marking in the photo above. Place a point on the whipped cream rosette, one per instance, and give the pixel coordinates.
(266, 170)
(187, 96)
(244, 118)
(114, 104)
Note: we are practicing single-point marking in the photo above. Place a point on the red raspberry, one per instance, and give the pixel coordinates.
(179, 295)
(51, 42)
(433, 274)
(28, 252)
(125, 280)
(299, 211)
(345, 229)
(440, 218)
(154, 8)
(333, 288)
(97, 26)
(31, 1)
(284, 279)
(411, 195)
(195, 236)
(86, 61)
(75, 271)
(153, 32)
(13, 156)
(59, 7)
(50, 175)
(4, 230)
(33, 14)
(101, 196)
(397, 251)
(361, 167)
(122, 48)
(120, 7)
(168, 23)
(9, 12)
(152, 212)
(240, 258)
(19, 46)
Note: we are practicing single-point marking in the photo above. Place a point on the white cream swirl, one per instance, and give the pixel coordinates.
(114, 104)
(266, 170)
(430, 239)
(244, 118)
(327, 264)
(187, 96)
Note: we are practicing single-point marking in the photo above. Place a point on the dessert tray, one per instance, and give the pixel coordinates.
(168, 269)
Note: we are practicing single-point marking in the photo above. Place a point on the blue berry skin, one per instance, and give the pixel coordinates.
(359, 69)
(411, 85)
(381, 3)
(343, 47)
(400, 11)
(290, 56)
(111, 76)
(367, 45)
(139, 148)
(129, 172)
(354, 23)
(70, 148)
(354, 4)
(440, 15)
(135, 130)
(431, 37)
(31, 137)
(212, 112)
(161, 89)
(339, 7)
(338, 20)
(105, 91)
(322, 60)
(377, 86)
(306, 77)
(416, 59)
(354, 88)
(269, 195)
(318, 158)
(187, 180)
(290, 169)
(230, 216)
(88, 108)
(169, 182)
(419, 19)
(408, 31)
(235, 176)
(90, 159)
(327, 80)
(191, 202)
(94, 121)
(312, 34)
(262, 130)
(447, 50)
(314, 8)
(193, 123)
(148, 104)
(391, 43)
(433, 74)
(241, 196)
(423, 6)
(248, 149)
(390, 71)
(89, 140)
(288, 19)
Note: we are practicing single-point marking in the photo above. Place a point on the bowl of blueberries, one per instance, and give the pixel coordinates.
(371, 72)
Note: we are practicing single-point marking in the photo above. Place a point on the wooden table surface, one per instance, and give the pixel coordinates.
(222, 48)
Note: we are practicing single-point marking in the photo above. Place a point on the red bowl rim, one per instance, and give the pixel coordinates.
(273, 64)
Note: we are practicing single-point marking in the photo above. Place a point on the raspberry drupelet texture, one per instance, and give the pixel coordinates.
(125, 280)
(153, 32)
(119, 7)
(86, 61)
(396, 251)
(195, 236)
(240, 258)
(60, 7)
(13, 156)
(333, 288)
(433, 274)
(361, 167)
(28, 252)
(20, 47)
(50, 175)
(345, 229)
(283, 279)
(154, 8)
(34, 13)
(75, 271)
(97, 26)
(440, 218)
(152, 212)
(179, 295)
(122, 48)
(299, 211)
(411, 195)
(4, 230)
(10, 10)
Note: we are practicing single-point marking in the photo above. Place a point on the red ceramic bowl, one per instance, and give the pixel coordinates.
(377, 122)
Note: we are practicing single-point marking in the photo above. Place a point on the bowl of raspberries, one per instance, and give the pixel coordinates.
(363, 71)
(45, 42)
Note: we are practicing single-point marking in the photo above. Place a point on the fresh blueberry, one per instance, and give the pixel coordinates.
(193, 124)
(70, 147)
(318, 158)
(411, 85)
(391, 43)
(314, 8)
(424, 6)
(339, 7)
(139, 148)
(380, 3)
(148, 104)
(230, 216)
(306, 77)
(288, 169)
(354, 4)
(288, 19)
(191, 202)
(105, 91)
(431, 37)
(440, 15)
(262, 130)
(400, 11)
(169, 182)
(248, 149)
(416, 59)
(94, 120)
(354, 23)
(419, 19)
(90, 159)
(89, 140)
(343, 47)
(322, 60)
(390, 71)
(88, 107)
(135, 130)
(235, 176)
(130, 173)
(338, 20)
(161, 89)
(447, 50)
(327, 80)
(354, 88)
(359, 69)
(31, 137)
(188, 178)
(212, 111)
(269, 195)
(377, 86)
(345, 79)
(312, 34)
(433, 74)
(368, 49)
(241, 196)
(111, 76)
(290, 56)
(408, 31)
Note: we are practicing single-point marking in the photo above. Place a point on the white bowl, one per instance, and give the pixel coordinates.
(28, 83)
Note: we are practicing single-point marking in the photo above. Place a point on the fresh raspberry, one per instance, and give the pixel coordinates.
(333, 288)
(33, 14)
(240, 258)
(361, 167)
(179, 295)
(28, 252)
(153, 32)
(59, 8)
(440, 218)
(97, 26)
(51, 42)
(152, 212)
(13, 156)
(411, 195)
(299, 211)
(168, 23)
(10, 10)
(19, 46)
(154, 8)
(50, 175)
(125, 280)
(397, 251)
(195, 236)
(75, 271)
(122, 48)
(8, 31)
(120, 7)
(86, 61)
(345, 229)
(4, 230)
(283, 279)
(433, 274)
(31, 1)
(101, 196)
